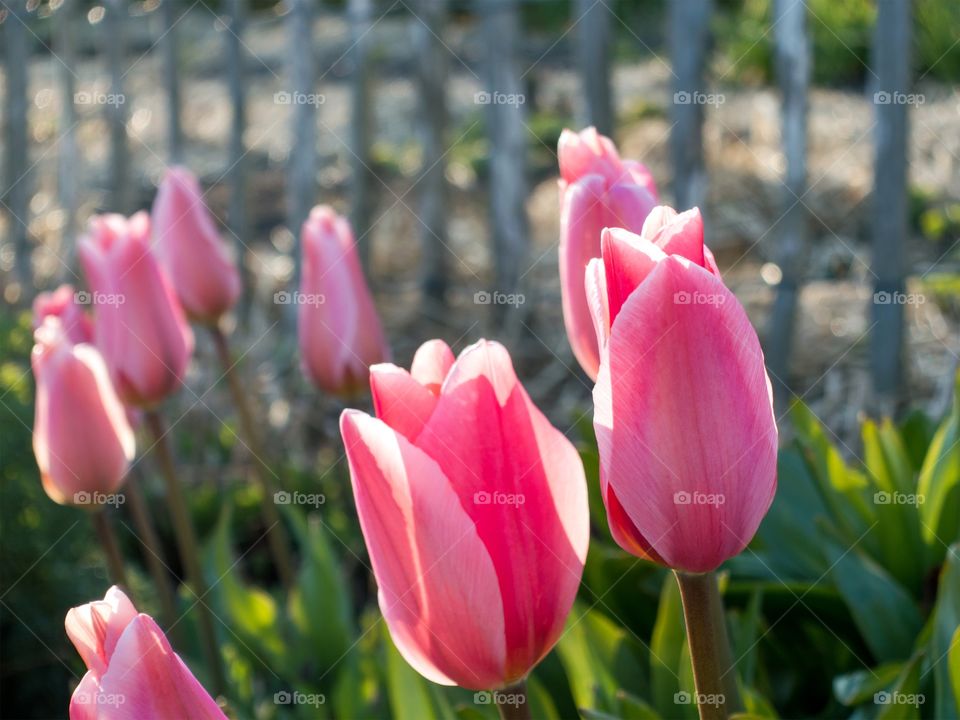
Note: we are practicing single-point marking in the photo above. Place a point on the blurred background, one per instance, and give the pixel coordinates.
(821, 140)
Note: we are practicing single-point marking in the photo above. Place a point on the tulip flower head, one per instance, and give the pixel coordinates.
(474, 511)
(81, 436)
(683, 406)
(139, 324)
(597, 190)
(340, 332)
(132, 672)
(190, 250)
(68, 305)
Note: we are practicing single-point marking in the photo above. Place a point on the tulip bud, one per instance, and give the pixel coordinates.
(69, 306)
(597, 190)
(132, 671)
(474, 511)
(683, 406)
(140, 327)
(340, 332)
(190, 250)
(81, 437)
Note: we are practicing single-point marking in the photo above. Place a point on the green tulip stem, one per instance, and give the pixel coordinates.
(277, 539)
(512, 701)
(108, 541)
(713, 673)
(188, 547)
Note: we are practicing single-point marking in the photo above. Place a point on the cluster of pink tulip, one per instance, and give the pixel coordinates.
(472, 505)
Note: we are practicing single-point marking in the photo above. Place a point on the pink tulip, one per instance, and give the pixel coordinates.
(81, 437)
(597, 190)
(191, 250)
(68, 305)
(132, 672)
(140, 326)
(474, 511)
(340, 332)
(683, 407)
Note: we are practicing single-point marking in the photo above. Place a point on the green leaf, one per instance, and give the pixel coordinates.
(757, 705)
(939, 486)
(904, 700)
(633, 708)
(744, 628)
(944, 649)
(599, 658)
(859, 687)
(411, 696)
(541, 704)
(666, 648)
(917, 431)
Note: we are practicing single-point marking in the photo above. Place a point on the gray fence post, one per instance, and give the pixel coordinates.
(360, 13)
(793, 74)
(594, 37)
(507, 130)
(432, 68)
(689, 46)
(116, 107)
(302, 161)
(16, 193)
(172, 80)
(68, 167)
(891, 60)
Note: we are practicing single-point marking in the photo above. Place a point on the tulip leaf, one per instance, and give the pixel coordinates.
(939, 486)
(882, 610)
(917, 431)
(945, 639)
(411, 696)
(633, 708)
(666, 648)
(858, 687)
(541, 704)
(599, 658)
(757, 705)
(903, 700)
(744, 627)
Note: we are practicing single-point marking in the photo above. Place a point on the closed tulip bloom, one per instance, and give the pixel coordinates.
(68, 305)
(474, 512)
(81, 437)
(597, 190)
(340, 332)
(132, 672)
(683, 406)
(191, 250)
(139, 324)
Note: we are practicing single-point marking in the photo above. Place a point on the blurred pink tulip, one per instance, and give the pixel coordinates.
(597, 190)
(81, 437)
(683, 406)
(474, 511)
(139, 324)
(68, 305)
(190, 250)
(340, 332)
(132, 672)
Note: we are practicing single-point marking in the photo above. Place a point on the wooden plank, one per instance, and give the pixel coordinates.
(171, 78)
(594, 39)
(115, 107)
(16, 192)
(362, 180)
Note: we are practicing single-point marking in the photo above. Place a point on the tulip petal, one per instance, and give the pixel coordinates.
(431, 363)
(399, 400)
(95, 628)
(683, 407)
(681, 235)
(522, 483)
(149, 680)
(627, 259)
(438, 590)
(83, 701)
(595, 280)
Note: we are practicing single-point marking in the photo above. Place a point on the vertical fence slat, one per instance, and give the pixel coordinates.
(113, 39)
(17, 186)
(507, 131)
(689, 45)
(432, 69)
(891, 60)
(68, 166)
(302, 161)
(594, 37)
(793, 74)
(172, 80)
(360, 14)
